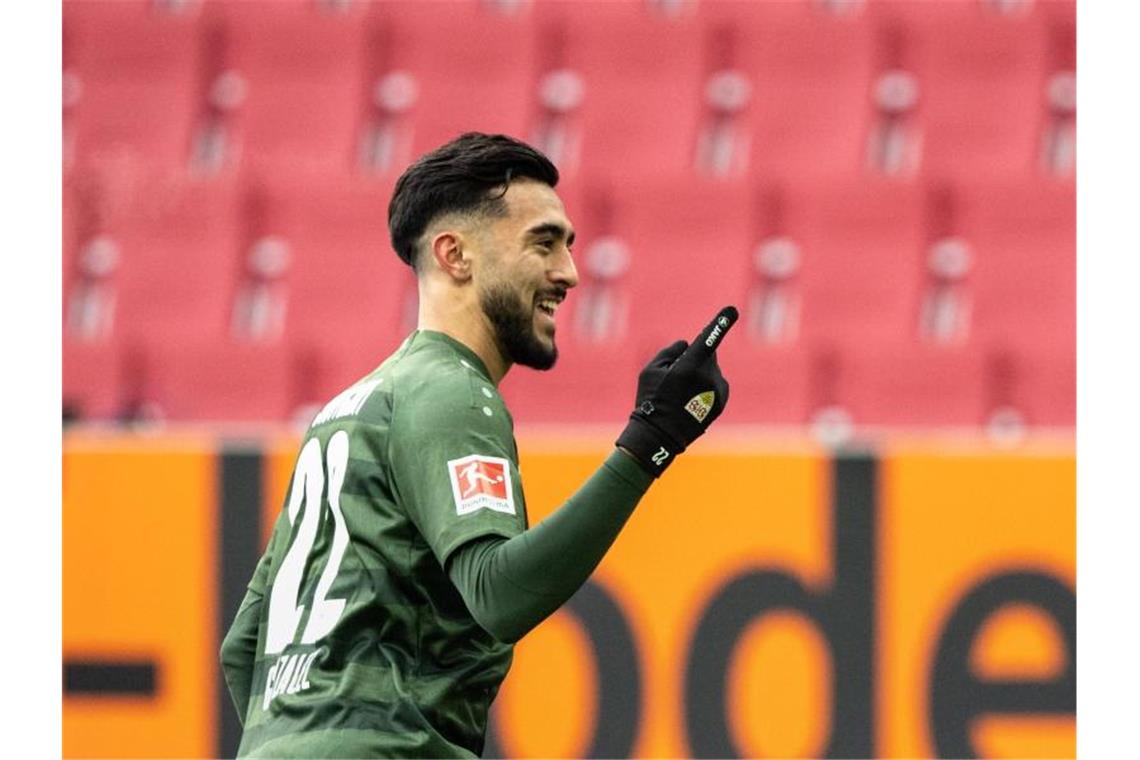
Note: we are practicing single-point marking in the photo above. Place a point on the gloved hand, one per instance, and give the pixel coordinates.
(679, 394)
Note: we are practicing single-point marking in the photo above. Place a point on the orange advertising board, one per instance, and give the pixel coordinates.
(978, 628)
(709, 520)
(762, 601)
(139, 596)
(916, 603)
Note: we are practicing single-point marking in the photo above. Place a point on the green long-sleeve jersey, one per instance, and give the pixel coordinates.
(353, 641)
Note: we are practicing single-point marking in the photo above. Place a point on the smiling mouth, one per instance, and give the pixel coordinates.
(548, 306)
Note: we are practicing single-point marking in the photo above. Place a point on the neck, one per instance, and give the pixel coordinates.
(466, 323)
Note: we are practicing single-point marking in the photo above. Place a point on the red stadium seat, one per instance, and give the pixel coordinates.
(178, 240)
(346, 289)
(463, 67)
(297, 97)
(630, 103)
(769, 385)
(981, 76)
(911, 384)
(131, 70)
(151, 266)
(861, 247)
(220, 381)
(687, 244)
(1024, 278)
(94, 202)
(810, 72)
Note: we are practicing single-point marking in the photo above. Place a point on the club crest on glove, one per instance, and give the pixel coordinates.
(700, 405)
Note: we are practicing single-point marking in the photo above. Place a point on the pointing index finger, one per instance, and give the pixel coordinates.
(710, 337)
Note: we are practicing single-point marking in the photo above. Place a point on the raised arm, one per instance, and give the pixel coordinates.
(511, 585)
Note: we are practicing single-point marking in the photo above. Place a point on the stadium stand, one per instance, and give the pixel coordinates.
(809, 72)
(153, 268)
(639, 73)
(885, 189)
(862, 246)
(221, 380)
(687, 242)
(911, 384)
(427, 44)
(291, 86)
(344, 286)
(130, 75)
(773, 384)
(178, 242)
(979, 71)
(1024, 235)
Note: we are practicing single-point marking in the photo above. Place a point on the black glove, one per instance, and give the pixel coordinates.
(679, 394)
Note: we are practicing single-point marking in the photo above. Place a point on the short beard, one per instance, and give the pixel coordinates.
(513, 326)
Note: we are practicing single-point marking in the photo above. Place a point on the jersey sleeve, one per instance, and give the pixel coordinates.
(454, 463)
(511, 585)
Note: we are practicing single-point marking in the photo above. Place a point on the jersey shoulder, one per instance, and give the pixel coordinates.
(435, 387)
(428, 388)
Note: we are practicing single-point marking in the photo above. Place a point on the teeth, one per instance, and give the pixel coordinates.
(549, 306)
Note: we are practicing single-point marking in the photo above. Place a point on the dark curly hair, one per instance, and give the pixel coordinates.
(469, 174)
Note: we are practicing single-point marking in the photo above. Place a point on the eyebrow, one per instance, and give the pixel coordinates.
(552, 228)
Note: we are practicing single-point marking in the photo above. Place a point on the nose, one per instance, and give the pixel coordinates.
(565, 273)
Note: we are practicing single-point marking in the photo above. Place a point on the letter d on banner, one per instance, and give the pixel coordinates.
(844, 615)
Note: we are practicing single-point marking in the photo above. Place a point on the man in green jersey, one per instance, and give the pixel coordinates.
(381, 619)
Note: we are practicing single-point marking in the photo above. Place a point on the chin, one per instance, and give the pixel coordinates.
(542, 363)
(541, 354)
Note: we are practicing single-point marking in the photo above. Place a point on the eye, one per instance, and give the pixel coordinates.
(547, 244)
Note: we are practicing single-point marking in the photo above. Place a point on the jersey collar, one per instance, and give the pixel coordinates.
(467, 356)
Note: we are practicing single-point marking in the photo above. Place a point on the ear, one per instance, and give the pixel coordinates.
(451, 255)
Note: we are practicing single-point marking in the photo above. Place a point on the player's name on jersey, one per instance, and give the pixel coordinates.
(289, 675)
(348, 403)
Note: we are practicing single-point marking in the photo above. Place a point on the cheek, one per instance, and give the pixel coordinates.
(527, 283)
(522, 278)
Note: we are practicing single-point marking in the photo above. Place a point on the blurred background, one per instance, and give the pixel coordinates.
(874, 551)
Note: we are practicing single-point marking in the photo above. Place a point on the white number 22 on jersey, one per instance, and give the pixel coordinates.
(305, 503)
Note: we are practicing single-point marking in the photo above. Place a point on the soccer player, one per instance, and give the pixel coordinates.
(381, 619)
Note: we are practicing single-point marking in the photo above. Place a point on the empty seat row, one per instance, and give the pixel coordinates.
(630, 88)
(875, 384)
(908, 384)
(840, 261)
(302, 273)
(169, 260)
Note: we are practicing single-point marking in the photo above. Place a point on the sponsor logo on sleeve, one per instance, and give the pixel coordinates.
(479, 482)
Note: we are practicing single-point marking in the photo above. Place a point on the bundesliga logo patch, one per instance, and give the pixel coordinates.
(699, 406)
(479, 482)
